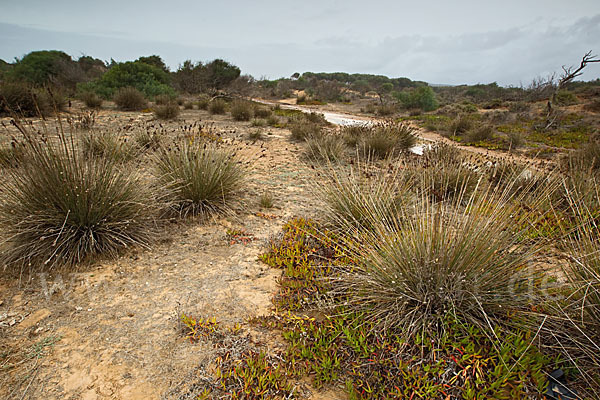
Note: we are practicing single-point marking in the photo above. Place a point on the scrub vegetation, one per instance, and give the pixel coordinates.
(444, 244)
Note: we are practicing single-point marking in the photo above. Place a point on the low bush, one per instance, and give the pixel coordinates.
(480, 133)
(262, 112)
(23, 100)
(203, 102)
(258, 122)
(217, 106)
(302, 129)
(130, 99)
(163, 99)
(62, 208)
(188, 105)
(167, 111)
(91, 99)
(242, 110)
(200, 178)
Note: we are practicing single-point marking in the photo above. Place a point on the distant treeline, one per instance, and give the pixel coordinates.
(32, 75)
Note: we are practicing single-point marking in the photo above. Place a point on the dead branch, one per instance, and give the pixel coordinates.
(567, 76)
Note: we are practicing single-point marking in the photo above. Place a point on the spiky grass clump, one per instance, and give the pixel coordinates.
(106, 145)
(441, 259)
(388, 139)
(444, 176)
(217, 106)
(130, 99)
(325, 148)
(61, 207)
(200, 178)
(242, 110)
(148, 140)
(266, 200)
(12, 155)
(301, 129)
(360, 198)
(167, 111)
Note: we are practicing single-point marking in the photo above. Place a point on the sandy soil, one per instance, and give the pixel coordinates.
(112, 330)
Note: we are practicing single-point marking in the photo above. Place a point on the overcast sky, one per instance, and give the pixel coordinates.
(461, 41)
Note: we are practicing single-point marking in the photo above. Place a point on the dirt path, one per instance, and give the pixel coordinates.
(112, 331)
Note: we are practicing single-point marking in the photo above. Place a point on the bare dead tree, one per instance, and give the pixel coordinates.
(567, 76)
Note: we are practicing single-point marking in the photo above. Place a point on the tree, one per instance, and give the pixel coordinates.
(567, 76)
(155, 61)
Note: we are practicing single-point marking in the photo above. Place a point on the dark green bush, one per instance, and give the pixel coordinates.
(148, 79)
(130, 99)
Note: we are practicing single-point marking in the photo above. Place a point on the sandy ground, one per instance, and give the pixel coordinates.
(112, 330)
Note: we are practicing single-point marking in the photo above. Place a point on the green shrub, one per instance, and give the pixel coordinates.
(62, 208)
(254, 135)
(130, 99)
(242, 110)
(188, 105)
(200, 178)
(315, 118)
(421, 97)
(460, 125)
(519, 106)
(167, 111)
(565, 98)
(272, 120)
(217, 106)
(148, 79)
(258, 122)
(91, 99)
(385, 110)
(593, 106)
